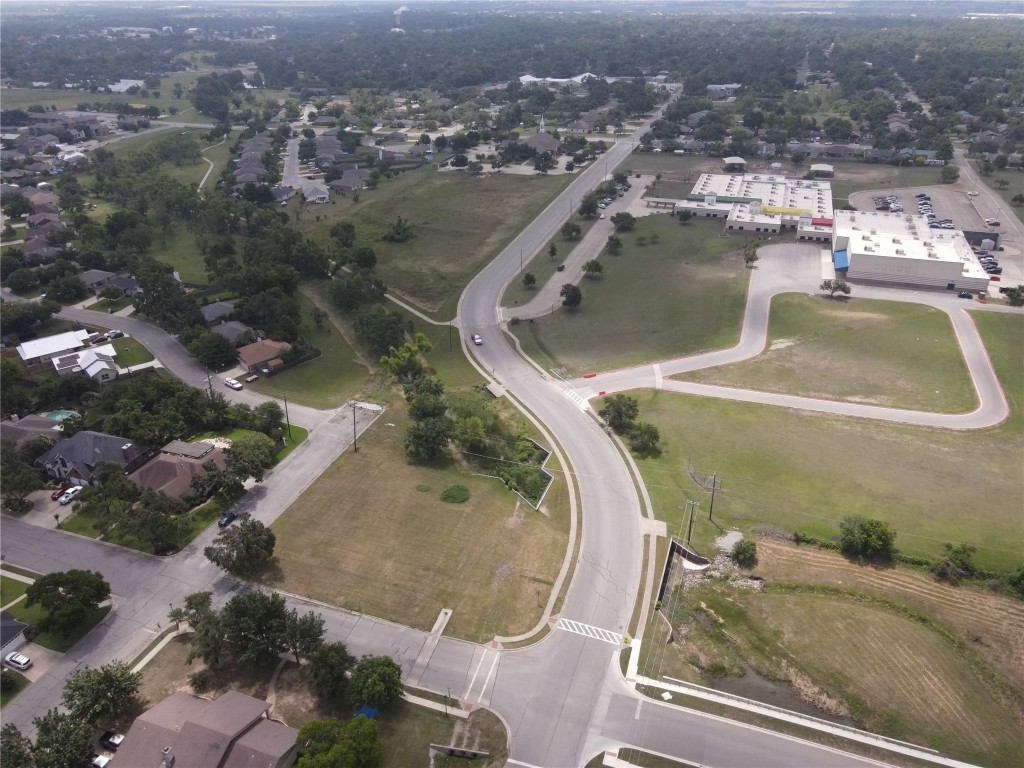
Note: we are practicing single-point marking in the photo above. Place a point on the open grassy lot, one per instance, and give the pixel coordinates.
(542, 266)
(189, 173)
(372, 535)
(459, 223)
(11, 589)
(878, 352)
(825, 468)
(130, 352)
(55, 642)
(886, 670)
(681, 295)
(178, 248)
(332, 379)
(1014, 179)
(853, 177)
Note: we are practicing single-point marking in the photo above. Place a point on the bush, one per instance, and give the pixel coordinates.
(455, 494)
(201, 680)
(7, 683)
(744, 553)
(866, 539)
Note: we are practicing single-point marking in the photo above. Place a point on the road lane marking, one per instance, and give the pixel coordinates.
(471, 682)
(596, 633)
(488, 678)
(639, 703)
(575, 397)
(510, 761)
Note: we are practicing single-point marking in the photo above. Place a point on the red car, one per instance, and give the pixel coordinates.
(60, 491)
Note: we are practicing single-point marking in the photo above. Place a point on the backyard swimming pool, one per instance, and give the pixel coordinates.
(61, 415)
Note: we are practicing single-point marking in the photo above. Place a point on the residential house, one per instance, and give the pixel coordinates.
(873, 155)
(897, 122)
(232, 330)
(17, 430)
(98, 364)
(213, 312)
(350, 180)
(12, 634)
(47, 348)
(317, 194)
(263, 355)
(76, 458)
(38, 219)
(129, 285)
(232, 731)
(94, 279)
(581, 125)
(721, 91)
(172, 470)
(694, 120)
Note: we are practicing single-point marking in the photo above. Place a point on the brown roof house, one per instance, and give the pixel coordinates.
(263, 356)
(187, 731)
(172, 471)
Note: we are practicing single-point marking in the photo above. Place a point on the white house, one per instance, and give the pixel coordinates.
(96, 363)
(49, 347)
(317, 194)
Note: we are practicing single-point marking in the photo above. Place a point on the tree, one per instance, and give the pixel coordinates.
(62, 741)
(593, 268)
(956, 563)
(16, 205)
(100, 695)
(255, 625)
(326, 670)
(750, 256)
(249, 455)
(571, 295)
(1017, 200)
(552, 251)
(242, 549)
(949, 174)
(267, 416)
(529, 280)
(399, 232)
(428, 439)
(339, 744)
(620, 411)
(744, 553)
(614, 245)
(111, 498)
(832, 287)
(213, 351)
(644, 439)
(303, 635)
(588, 205)
(1002, 183)
(623, 221)
(571, 230)
(376, 681)
(1015, 295)
(866, 539)
(685, 216)
(158, 519)
(15, 747)
(67, 597)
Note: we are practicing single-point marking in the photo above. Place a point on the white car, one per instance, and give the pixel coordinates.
(69, 495)
(17, 661)
(972, 193)
(232, 384)
(477, 340)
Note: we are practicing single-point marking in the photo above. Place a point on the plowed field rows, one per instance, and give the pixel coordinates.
(992, 624)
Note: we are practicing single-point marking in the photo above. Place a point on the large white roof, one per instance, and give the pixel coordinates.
(51, 345)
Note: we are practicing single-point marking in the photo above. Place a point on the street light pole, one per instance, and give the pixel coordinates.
(355, 445)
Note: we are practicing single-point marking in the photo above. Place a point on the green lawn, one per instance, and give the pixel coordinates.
(179, 249)
(105, 305)
(878, 352)
(11, 589)
(804, 472)
(682, 295)
(130, 352)
(326, 382)
(20, 683)
(459, 224)
(542, 266)
(55, 642)
(408, 730)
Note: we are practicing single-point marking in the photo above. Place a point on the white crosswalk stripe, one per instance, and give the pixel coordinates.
(575, 397)
(588, 631)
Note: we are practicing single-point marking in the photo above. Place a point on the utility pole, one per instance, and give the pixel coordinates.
(714, 487)
(287, 420)
(520, 261)
(693, 511)
(449, 335)
(355, 445)
(209, 380)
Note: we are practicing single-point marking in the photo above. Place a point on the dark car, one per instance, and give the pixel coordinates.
(965, 295)
(227, 518)
(111, 740)
(561, 267)
(60, 491)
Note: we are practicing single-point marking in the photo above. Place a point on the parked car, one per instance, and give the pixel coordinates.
(111, 740)
(477, 340)
(60, 491)
(227, 519)
(972, 193)
(561, 268)
(115, 334)
(232, 384)
(69, 495)
(17, 661)
(100, 761)
(965, 295)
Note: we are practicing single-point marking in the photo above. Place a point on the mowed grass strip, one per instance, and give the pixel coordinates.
(55, 642)
(373, 535)
(130, 352)
(866, 351)
(11, 589)
(678, 296)
(900, 677)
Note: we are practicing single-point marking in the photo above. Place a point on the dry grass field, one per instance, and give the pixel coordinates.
(372, 535)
